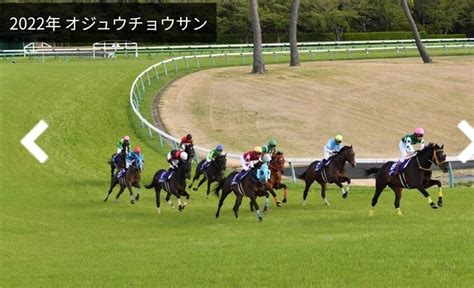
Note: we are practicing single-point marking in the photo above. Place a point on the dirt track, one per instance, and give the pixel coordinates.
(372, 103)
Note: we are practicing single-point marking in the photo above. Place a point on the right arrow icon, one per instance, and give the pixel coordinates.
(469, 131)
(29, 141)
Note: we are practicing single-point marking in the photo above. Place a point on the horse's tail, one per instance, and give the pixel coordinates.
(371, 171)
(153, 182)
(303, 176)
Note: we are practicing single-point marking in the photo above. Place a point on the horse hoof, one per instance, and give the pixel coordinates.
(278, 204)
(433, 205)
(137, 198)
(265, 209)
(327, 203)
(440, 203)
(304, 203)
(180, 208)
(344, 195)
(284, 200)
(132, 201)
(260, 219)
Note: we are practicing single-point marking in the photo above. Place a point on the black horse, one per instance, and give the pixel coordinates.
(214, 172)
(176, 185)
(416, 175)
(332, 173)
(247, 186)
(131, 178)
(189, 149)
(117, 161)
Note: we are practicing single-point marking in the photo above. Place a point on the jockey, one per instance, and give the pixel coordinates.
(132, 156)
(123, 145)
(176, 158)
(250, 158)
(129, 160)
(407, 142)
(332, 147)
(185, 141)
(270, 147)
(212, 155)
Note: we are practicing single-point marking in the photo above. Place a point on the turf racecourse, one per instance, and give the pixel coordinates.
(56, 231)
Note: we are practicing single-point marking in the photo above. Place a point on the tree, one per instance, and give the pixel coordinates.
(423, 53)
(274, 17)
(258, 64)
(294, 57)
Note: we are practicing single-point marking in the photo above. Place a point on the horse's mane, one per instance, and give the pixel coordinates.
(344, 149)
(430, 146)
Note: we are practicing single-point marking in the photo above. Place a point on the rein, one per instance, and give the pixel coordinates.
(434, 159)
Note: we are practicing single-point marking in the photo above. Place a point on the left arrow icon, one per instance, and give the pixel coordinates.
(29, 141)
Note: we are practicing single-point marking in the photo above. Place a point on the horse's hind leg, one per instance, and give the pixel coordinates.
(285, 192)
(427, 184)
(306, 188)
(157, 200)
(379, 186)
(112, 185)
(274, 195)
(267, 201)
(168, 199)
(343, 191)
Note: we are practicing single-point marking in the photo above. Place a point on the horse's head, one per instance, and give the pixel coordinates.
(436, 155)
(184, 170)
(221, 162)
(348, 153)
(138, 163)
(278, 161)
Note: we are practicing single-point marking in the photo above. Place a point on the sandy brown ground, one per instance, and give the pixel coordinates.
(372, 103)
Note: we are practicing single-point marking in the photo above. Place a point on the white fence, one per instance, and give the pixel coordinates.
(138, 87)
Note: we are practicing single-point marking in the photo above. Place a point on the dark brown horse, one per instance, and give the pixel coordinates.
(248, 186)
(214, 172)
(416, 175)
(189, 149)
(131, 179)
(332, 173)
(176, 185)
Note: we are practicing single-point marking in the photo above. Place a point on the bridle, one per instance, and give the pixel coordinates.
(434, 159)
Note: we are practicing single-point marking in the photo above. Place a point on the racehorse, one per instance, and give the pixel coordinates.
(214, 172)
(131, 178)
(276, 166)
(118, 164)
(247, 186)
(416, 175)
(330, 173)
(176, 185)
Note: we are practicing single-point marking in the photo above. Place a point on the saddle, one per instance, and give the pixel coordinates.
(261, 174)
(166, 176)
(398, 167)
(322, 164)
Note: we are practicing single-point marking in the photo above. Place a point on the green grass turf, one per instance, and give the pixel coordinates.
(56, 231)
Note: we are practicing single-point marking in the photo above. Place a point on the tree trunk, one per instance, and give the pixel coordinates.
(424, 55)
(258, 64)
(294, 57)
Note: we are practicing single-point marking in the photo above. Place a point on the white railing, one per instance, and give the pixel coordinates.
(135, 94)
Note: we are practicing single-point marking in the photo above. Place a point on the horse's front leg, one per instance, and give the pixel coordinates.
(269, 188)
(168, 199)
(129, 187)
(427, 184)
(122, 188)
(323, 193)
(427, 195)
(200, 183)
(346, 189)
(343, 190)
(139, 188)
(253, 201)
